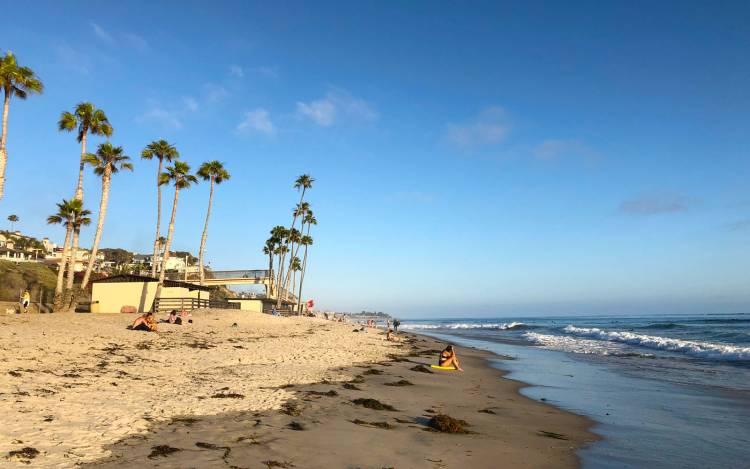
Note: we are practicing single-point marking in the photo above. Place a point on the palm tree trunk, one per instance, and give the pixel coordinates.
(158, 219)
(294, 220)
(291, 259)
(302, 279)
(72, 261)
(205, 229)
(3, 140)
(168, 243)
(79, 186)
(270, 273)
(99, 225)
(278, 280)
(63, 261)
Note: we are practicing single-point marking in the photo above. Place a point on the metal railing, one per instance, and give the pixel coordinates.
(219, 275)
(189, 304)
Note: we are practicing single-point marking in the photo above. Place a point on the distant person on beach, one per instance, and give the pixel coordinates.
(174, 319)
(145, 322)
(396, 323)
(25, 301)
(448, 357)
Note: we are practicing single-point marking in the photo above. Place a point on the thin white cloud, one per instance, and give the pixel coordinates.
(214, 92)
(137, 42)
(336, 106)
(73, 59)
(190, 103)
(236, 71)
(169, 117)
(268, 71)
(656, 203)
(156, 114)
(491, 127)
(101, 33)
(557, 149)
(257, 120)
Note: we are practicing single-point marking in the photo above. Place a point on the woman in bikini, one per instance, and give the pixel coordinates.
(448, 357)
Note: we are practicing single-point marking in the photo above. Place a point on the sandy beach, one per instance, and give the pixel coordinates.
(237, 389)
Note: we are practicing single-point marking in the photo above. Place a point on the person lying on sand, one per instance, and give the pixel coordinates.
(391, 337)
(145, 322)
(448, 357)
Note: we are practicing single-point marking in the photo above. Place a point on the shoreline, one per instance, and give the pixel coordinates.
(320, 426)
(231, 423)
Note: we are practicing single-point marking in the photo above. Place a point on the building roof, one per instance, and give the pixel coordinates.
(130, 278)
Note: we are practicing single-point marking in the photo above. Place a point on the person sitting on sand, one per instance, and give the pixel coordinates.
(448, 357)
(391, 337)
(174, 319)
(145, 322)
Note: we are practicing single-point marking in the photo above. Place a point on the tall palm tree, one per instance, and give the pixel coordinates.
(13, 219)
(278, 233)
(80, 218)
(294, 236)
(209, 171)
(306, 241)
(85, 119)
(163, 151)
(302, 212)
(268, 249)
(107, 161)
(16, 81)
(65, 215)
(179, 175)
(295, 266)
(302, 184)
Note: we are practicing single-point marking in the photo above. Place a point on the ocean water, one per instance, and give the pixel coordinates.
(670, 391)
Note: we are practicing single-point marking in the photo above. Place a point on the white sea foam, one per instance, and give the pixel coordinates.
(462, 325)
(694, 348)
(576, 345)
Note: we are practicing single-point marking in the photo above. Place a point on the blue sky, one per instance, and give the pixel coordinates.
(481, 158)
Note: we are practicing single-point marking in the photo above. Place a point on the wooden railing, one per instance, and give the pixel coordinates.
(189, 304)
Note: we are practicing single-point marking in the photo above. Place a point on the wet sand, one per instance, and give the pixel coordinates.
(324, 426)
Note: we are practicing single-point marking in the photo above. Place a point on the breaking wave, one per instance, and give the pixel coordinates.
(470, 325)
(584, 346)
(697, 349)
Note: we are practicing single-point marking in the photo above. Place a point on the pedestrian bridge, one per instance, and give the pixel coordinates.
(231, 277)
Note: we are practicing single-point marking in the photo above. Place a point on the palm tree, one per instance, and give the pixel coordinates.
(13, 219)
(179, 175)
(302, 183)
(107, 161)
(80, 218)
(301, 212)
(85, 119)
(18, 81)
(268, 249)
(163, 151)
(306, 241)
(295, 266)
(294, 236)
(210, 171)
(64, 215)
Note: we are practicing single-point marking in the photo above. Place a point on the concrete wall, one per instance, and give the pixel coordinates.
(255, 306)
(113, 296)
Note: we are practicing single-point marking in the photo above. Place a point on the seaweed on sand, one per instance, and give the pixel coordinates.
(294, 425)
(228, 395)
(359, 379)
(447, 424)
(383, 425)
(351, 387)
(24, 455)
(554, 435)
(421, 369)
(162, 451)
(226, 449)
(401, 382)
(330, 393)
(373, 404)
(291, 408)
(487, 411)
(373, 372)
(270, 464)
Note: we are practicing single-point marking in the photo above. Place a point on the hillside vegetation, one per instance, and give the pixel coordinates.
(14, 278)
